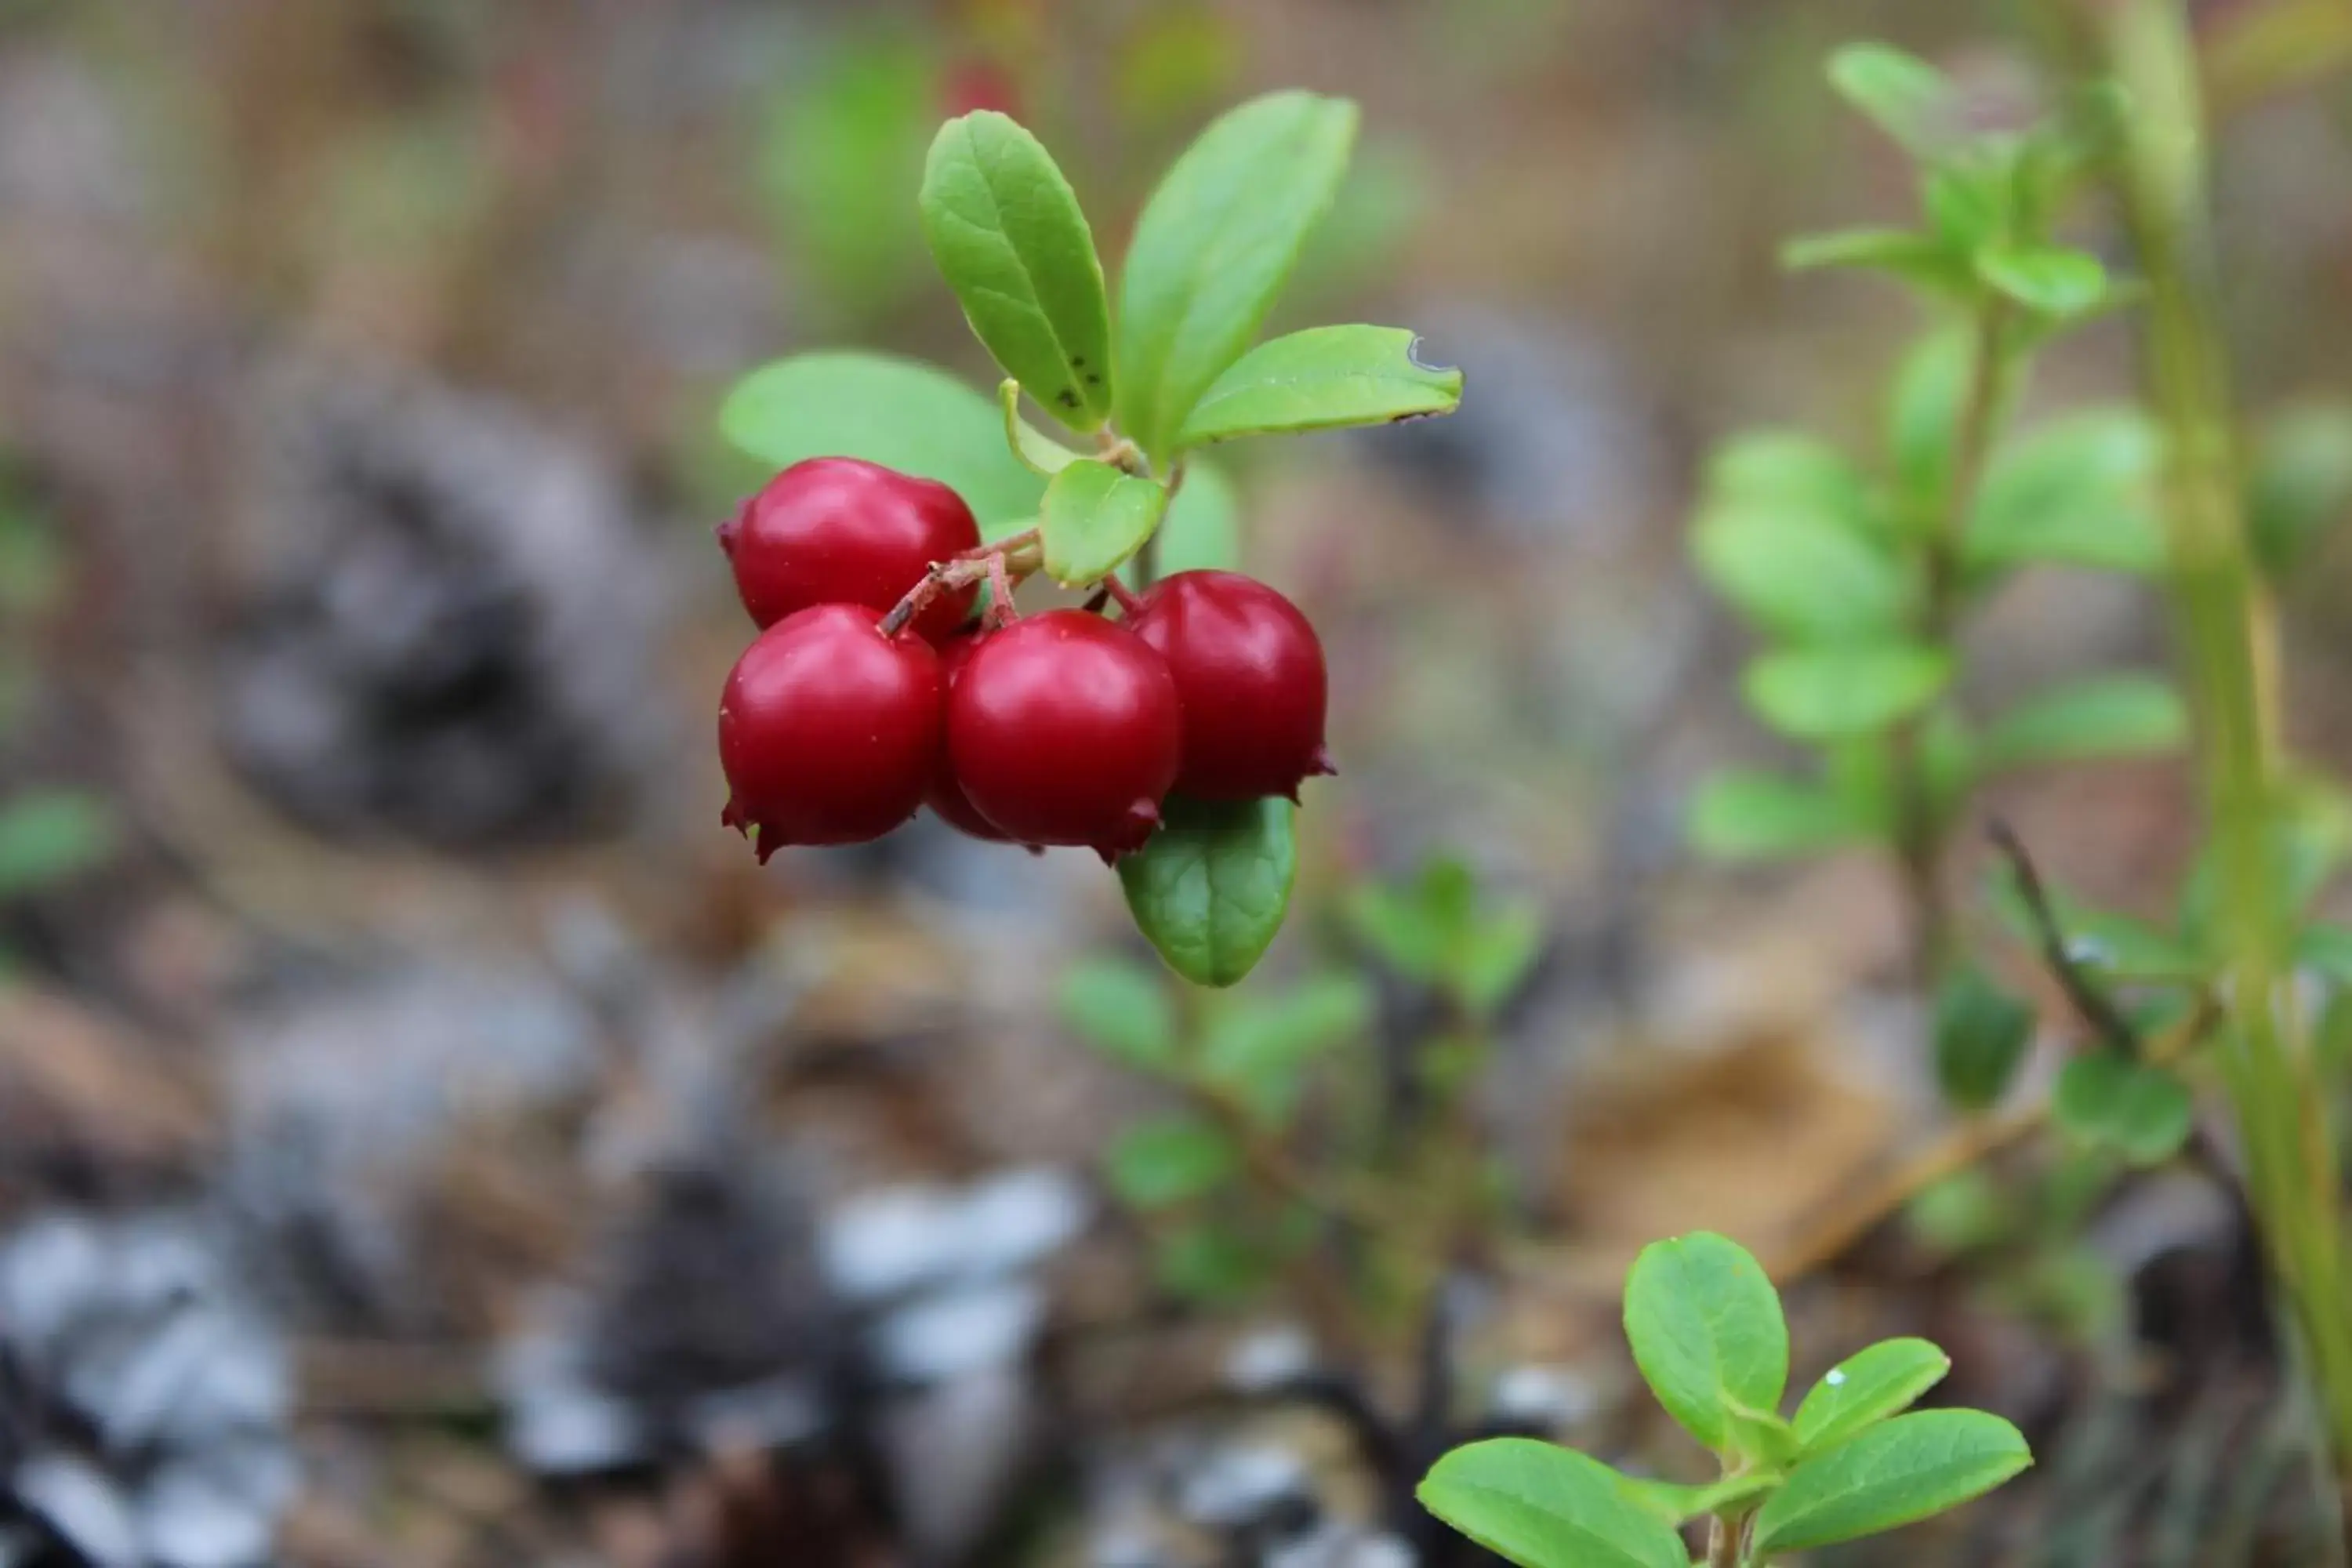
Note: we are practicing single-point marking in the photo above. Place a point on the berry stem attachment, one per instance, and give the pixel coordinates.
(1121, 595)
(990, 562)
(1000, 595)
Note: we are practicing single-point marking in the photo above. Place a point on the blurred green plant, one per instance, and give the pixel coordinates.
(1707, 1333)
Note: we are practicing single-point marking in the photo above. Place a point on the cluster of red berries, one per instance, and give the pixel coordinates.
(1064, 728)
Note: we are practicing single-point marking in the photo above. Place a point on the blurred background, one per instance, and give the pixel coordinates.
(427, 1140)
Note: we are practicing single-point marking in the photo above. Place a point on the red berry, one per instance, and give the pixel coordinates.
(828, 731)
(1249, 673)
(945, 796)
(1062, 729)
(836, 530)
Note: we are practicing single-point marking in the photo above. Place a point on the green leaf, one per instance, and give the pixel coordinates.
(1789, 471)
(2142, 1112)
(1970, 202)
(2114, 946)
(1416, 928)
(1005, 229)
(1260, 1047)
(1903, 95)
(2105, 716)
(1211, 1264)
(1867, 1388)
(1495, 957)
(2078, 491)
(1829, 693)
(1214, 247)
(1673, 1502)
(1322, 379)
(1923, 419)
(1202, 529)
(1039, 453)
(1915, 258)
(1170, 1160)
(1981, 1034)
(1123, 1011)
(1707, 1333)
(1211, 888)
(1542, 1506)
(1743, 814)
(841, 145)
(50, 835)
(1893, 1474)
(2050, 279)
(1799, 575)
(895, 412)
(2300, 483)
(1094, 516)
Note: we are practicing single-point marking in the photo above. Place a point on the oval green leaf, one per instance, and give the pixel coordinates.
(1322, 379)
(2141, 1112)
(1832, 693)
(2078, 491)
(1170, 1160)
(1038, 452)
(1122, 1010)
(1006, 231)
(1982, 1035)
(2105, 716)
(1675, 1502)
(1212, 886)
(1801, 573)
(2050, 279)
(1214, 247)
(1093, 518)
(1707, 1333)
(1903, 95)
(896, 412)
(1743, 814)
(1543, 1506)
(1893, 1474)
(1867, 1387)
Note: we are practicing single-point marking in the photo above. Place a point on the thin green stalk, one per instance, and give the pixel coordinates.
(1921, 824)
(2226, 646)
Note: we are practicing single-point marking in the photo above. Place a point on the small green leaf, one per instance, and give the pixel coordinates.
(1322, 379)
(2045, 278)
(1915, 258)
(1675, 1502)
(2300, 482)
(1970, 202)
(1799, 574)
(1122, 1010)
(1867, 1388)
(1211, 1264)
(1829, 693)
(1170, 1160)
(1203, 529)
(1542, 1506)
(1214, 247)
(895, 412)
(1789, 471)
(1004, 227)
(1093, 518)
(1893, 1474)
(1495, 957)
(1903, 95)
(2079, 491)
(1260, 1047)
(48, 836)
(1211, 888)
(1923, 419)
(1707, 1333)
(1040, 454)
(1981, 1034)
(2142, 1112)
(2105, 716)
(1744, 815)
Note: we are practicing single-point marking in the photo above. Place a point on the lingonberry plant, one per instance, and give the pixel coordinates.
(1707, 1333)
(1172, 740)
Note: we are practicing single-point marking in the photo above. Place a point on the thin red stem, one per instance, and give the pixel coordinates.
(1129, 605)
